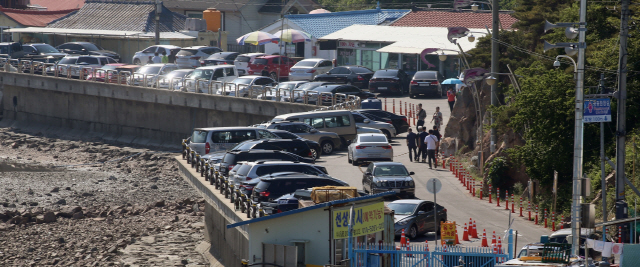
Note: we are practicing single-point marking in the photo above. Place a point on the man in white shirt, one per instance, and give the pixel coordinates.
(432, 143)
(156, 58)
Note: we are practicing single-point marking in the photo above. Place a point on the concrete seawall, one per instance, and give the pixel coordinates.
(123, 113)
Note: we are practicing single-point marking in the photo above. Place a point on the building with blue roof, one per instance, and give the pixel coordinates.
(319, 25)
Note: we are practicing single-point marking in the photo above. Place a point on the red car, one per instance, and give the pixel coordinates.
(278, 66)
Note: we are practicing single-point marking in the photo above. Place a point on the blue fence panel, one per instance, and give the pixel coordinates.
(388, 255)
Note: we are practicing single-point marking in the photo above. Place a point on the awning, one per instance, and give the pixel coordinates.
(406, 40)
(84, 32)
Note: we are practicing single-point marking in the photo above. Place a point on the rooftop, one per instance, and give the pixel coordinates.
(323, 24)
(120, 16)
(33, 18)
(55, 5)
(439, 18)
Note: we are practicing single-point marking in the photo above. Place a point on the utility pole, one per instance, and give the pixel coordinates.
(495, 28)
(158, 11)
(602, 165)
(621, 130)
(576, 210)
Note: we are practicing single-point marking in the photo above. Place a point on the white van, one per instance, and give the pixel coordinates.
(336, 121)
(215, 139)
(205, 75)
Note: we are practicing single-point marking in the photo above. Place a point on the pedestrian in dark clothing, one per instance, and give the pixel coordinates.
(150, 60)
(172, 56)
(422, 114)
(423, 146)
(411, 144)
(265, 71)
(437, 134)
(431, 142)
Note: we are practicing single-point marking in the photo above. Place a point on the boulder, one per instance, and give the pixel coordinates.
(49, 217)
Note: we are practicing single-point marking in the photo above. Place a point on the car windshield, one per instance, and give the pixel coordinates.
(244, 170)
(242, 81)
(289, 86)
(243, 59)
(45, 48)
(199, 136)
(68, 60)
(360, 70)
(108, 67)
(324, 88)
(287, 135)
(201, 74)
(187, 52)
(385, 74)
(176, 74)
(424, 75)
(373, 138)
(218, 56)
(402, 208)
(262, 61)
(149, 69)
(305, 63)
(309, 86)
(391, 170)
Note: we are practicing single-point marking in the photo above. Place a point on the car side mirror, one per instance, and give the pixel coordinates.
(313, 131)
(366, 121)
(421, 212)
(412, 173)
(367, 173)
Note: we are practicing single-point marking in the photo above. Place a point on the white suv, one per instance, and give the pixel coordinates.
(205, 75)
(142, 57)
(242, 62)
(307, 69)
(189, 57)
(151, 71)
(253, 170)
(78, 62)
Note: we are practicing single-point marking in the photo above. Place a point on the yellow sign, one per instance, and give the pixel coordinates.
(365, 220)
(448, 231)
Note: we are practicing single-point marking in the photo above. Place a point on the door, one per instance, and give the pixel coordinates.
(424, 218)
(336, 75)
(281, 255)
(324, 67)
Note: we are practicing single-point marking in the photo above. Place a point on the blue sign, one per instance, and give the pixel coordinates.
(597, 110)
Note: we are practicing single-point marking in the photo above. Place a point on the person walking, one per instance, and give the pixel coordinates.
(172, 56)
(165, 58)
(265, 71)
(411, 144)
(156, 58)
(437, 134)
(431, 142)
(451, 97)
(422, 114)
(422, 151)
(437, 118)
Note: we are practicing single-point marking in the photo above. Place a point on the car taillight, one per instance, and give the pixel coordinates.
(445, 210)
(434, 83)
(310, 154)
(248, 178)
(360, 78)
(279, 211)
(361, 147)
(247, 187)
(405, 119)
(207, 148)
(196, 58)
(231, 166)
(265, 193)
(386, 147)
(311, 71)
(389, 122)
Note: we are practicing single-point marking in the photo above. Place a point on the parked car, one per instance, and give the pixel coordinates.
(207, 140)
(231, 158)
(249, 85)
(399, 122)
(389, 81)
(151, 72)
(328, 140)
(220, 58)
(273, 186)
(189, 57)
(41, 53)
(388, 176)
(86, 48)
(173, 80)
(208, 74)
(142, 57)
(340, 122)
(426, 83)
(313, 145)
(295, 146)
(253, 170)
(101, 73)
(416, 217)
(367, 130)
(12, 50)
(368, 148)
(307, 69)
(346, 89)
(277, 66)
(364, 121)
(242, 62)
(352, 75)
(74, 64)
(285, 88)
(62, 66)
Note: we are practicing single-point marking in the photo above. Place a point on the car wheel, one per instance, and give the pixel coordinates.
(387, 134)
(349, 159)
(274, 76)
(136, 62)
(354, 162)
(413, 232)
(314, 154)
(327, 147)
(411, 96)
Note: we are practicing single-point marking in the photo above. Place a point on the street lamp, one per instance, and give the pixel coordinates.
(442, 56)
(557, 62)
(474, 7)
(491, 80)
(471, 38)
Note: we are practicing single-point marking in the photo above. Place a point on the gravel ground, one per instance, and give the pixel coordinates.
(59, 205)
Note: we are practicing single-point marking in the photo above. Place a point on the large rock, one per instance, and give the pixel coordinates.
(67, 212)
(462, 124)
(49, 217)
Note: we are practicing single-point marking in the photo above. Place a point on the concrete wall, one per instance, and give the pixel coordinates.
(128, 113)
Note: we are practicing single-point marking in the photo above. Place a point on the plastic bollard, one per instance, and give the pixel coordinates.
(490, 196)
(481, 190)
(513, 204)
(385, 104)
(506, 199)
(498, 197)
(400, 107)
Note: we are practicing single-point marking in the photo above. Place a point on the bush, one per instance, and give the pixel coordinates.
(496, 171)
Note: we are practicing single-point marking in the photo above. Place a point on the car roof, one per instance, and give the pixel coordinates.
(313, 59)
(248, 76)
(225, 128)
(182, 70)
(583, 232)
(327, 87)
(408, 201)
(253, 54)
(116, 64)
(167, 46)
(211, 67)
(295, 175)
(162, 64)
(371, 134)
(272, 56)
(312, 112)
(195, 47)
(387, 163)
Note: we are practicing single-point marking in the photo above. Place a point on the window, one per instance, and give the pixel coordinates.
(358, 118)
(275, 60)
(217, 74)
(230, 71)
(103, 61)
(266, 134)
(87, 61)
(299, 128)
(263, 81)
(316, 122)
(326, 64)
(150, 49)
(346, 120)
(338, 121)
(233, 136)
(374, 138)
(199, 136)
(336, 71)
(111, 60)
(28, 49)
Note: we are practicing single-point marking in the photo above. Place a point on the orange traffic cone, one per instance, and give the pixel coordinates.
(456, 242)
(403, 239)
(444, 248)
(493, 239)
(465, 235)
(474, 234)
(426, 249)
(484, 238)
(499, 245)
(409, 248)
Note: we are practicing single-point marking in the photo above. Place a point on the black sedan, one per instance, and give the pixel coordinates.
(416, 217)
(400, 122)
(353, 75)
(86, 48)
(389, 81)
(313, 145)
(221, 58)
(337, 89)
(388, 176)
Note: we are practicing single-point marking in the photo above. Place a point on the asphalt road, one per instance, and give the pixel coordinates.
(459, 203)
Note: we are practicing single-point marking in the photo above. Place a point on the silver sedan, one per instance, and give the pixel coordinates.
(369, 147)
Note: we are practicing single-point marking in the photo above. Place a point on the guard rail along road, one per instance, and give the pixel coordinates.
(128, 107)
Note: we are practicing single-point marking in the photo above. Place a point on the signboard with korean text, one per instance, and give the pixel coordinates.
(366, 220)
(597, 110)
(448, 232)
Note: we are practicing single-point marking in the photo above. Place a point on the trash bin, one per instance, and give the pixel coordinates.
(371, 103)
